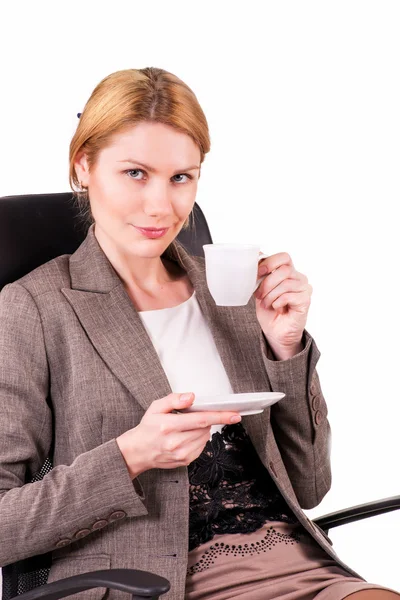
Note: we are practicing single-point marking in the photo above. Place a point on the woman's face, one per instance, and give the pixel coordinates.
(124, 193)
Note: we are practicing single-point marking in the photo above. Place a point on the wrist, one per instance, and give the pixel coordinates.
(286, 352)
(130, 454)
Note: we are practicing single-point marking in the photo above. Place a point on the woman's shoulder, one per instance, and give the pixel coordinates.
(50, 277)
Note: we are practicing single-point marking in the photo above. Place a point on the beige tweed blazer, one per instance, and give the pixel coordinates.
(77, 369)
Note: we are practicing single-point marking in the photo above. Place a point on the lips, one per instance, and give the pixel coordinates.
(152, 233)
(153, 228)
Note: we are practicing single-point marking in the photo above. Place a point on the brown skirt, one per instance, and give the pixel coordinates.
(277, 562)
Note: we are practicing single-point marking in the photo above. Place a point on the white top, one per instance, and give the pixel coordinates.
(186, 349)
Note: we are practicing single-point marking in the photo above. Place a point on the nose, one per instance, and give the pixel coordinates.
(158, 200)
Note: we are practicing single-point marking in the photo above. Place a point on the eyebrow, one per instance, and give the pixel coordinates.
(152, 169)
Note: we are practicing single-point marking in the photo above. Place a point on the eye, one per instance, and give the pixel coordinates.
(133, 171)
(184, 175)
(141, 171)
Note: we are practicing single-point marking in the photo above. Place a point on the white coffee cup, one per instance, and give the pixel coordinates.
(231, 272)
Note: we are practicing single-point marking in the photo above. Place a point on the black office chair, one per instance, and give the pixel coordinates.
(33, 230)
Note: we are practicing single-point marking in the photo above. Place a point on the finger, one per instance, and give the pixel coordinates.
(286, 286)
(195, 450)
(190, 452)
(294, 300)
(169, 403)
(273, 279)
(183, 438)
(275, 261)
(198, 420)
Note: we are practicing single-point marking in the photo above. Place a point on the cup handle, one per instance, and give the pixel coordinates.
(261, 255)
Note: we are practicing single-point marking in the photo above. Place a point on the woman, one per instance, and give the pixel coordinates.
(96, 349)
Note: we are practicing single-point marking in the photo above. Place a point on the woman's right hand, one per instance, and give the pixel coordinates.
(166, 440)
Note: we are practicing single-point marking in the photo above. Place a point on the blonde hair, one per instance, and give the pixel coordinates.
(126, 98)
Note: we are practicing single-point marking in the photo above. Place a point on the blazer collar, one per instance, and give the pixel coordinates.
(114, 327)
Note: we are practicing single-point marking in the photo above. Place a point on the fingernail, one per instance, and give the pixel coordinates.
(236, 419)
(263, 270)
(184, 397)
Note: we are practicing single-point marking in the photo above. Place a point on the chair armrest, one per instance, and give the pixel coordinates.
(356, 513)
(141, 584)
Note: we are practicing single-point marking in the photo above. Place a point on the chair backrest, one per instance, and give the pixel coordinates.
(34, 229)
(38, 227)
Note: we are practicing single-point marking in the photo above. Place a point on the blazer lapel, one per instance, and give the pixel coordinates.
(112, 323)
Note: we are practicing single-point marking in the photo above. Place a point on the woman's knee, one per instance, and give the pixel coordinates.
(373, 595)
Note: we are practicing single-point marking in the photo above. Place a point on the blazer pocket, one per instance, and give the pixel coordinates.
(67, 566)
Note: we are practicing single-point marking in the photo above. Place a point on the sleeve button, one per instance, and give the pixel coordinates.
(99, 524)
(318, 417)
(81, 533)
(118, 514)
(316, 401)
(63, 543)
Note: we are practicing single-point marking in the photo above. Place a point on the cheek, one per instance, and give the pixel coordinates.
(112, 187)
(184, 201)
(110, 196)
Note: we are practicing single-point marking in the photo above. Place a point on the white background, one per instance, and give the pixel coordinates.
(303, 104)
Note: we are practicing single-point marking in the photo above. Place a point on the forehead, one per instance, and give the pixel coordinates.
(155, 144)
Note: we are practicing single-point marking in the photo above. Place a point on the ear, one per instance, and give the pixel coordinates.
(82, 168)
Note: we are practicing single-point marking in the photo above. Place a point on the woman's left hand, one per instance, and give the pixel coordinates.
(282, 302)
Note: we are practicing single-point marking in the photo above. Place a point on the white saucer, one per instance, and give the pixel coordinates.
(245, 404)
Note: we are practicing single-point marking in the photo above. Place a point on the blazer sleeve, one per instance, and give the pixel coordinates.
(299, 421)
(39, 517)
